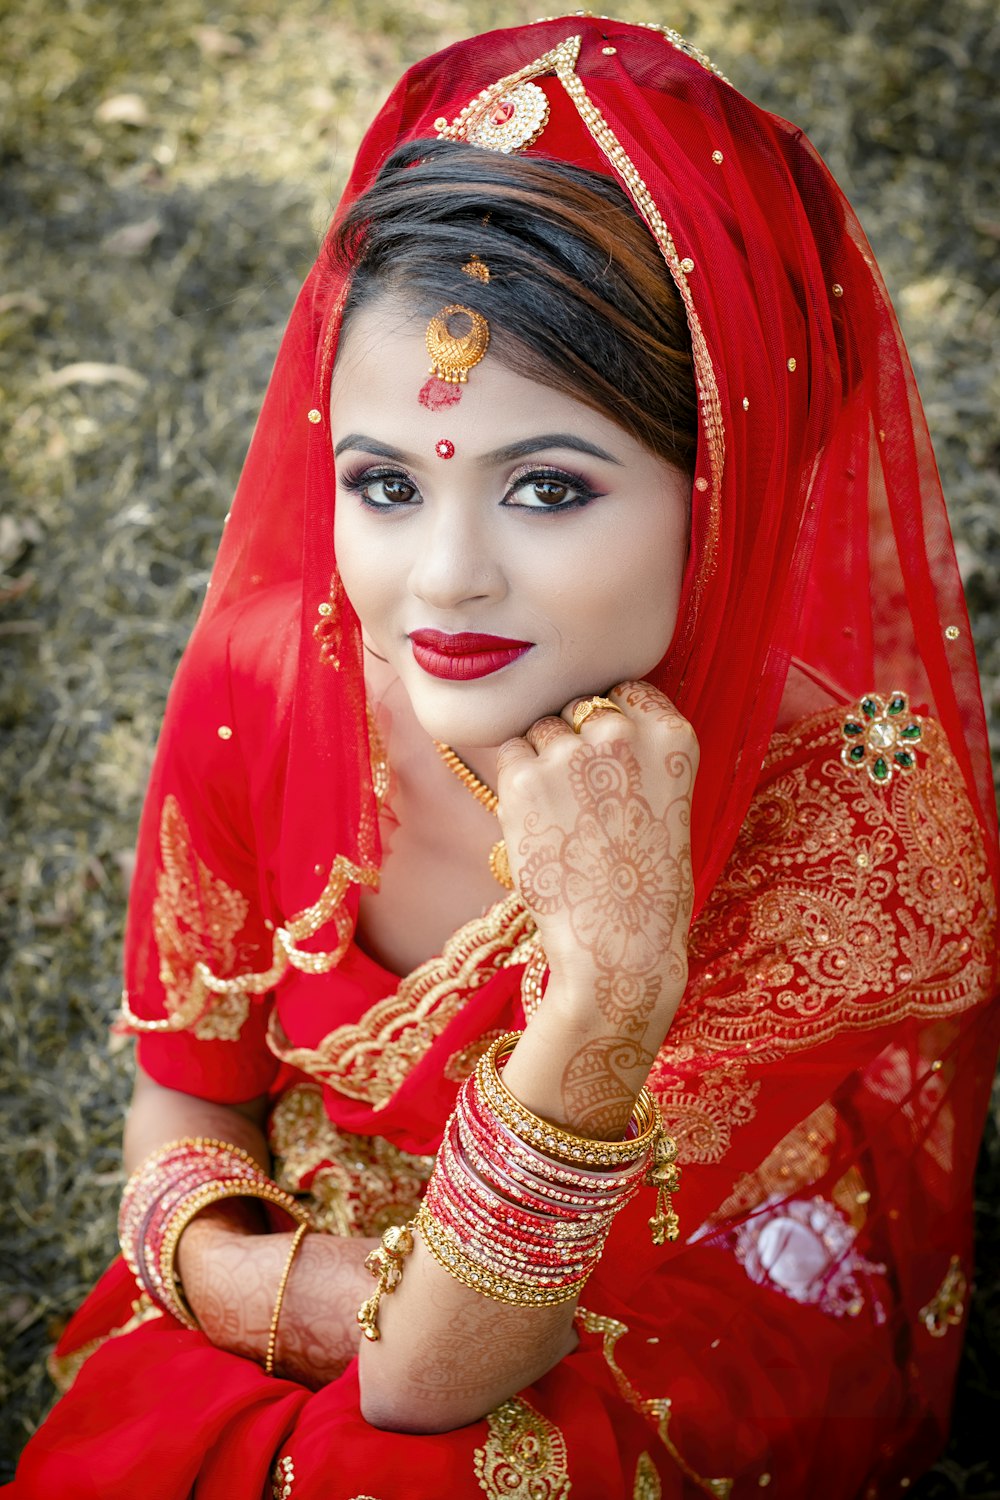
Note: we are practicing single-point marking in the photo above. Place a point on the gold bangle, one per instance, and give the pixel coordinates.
(448, 1253)
(575, 1150)
(272, 1332)
(214, 1192)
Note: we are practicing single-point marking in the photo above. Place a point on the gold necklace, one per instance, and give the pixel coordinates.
(486, 797)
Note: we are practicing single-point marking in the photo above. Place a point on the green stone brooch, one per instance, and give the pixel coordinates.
(880, 737)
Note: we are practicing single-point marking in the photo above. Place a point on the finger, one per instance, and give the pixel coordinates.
(579, 713)
(544, 731)
(512, 753)
(643, 698)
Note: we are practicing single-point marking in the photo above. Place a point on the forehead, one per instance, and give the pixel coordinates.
(382, 366)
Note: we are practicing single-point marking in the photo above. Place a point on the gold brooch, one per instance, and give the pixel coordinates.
(880, 736)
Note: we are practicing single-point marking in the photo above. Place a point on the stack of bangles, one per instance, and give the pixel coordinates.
(519, 1209)
(166, 1192)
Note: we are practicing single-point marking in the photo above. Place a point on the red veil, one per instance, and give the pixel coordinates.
(833, 1054)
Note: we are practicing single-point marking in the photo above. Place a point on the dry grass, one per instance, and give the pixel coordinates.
(165, 172)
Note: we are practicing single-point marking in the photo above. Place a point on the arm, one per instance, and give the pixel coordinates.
(595, 804)
(230, 1265)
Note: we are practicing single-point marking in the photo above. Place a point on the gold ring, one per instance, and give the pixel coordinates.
(583, 711)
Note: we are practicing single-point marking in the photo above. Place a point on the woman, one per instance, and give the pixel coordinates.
(725, 687)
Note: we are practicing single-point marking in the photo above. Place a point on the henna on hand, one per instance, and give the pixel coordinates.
(600, 1084)
(230, 1278)
(614, 873)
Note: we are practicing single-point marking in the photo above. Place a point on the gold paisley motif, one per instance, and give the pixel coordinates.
(655, 1409)
(647, 1484)
(370, 1058)
(196, 918)
(844, 905)
(524, 1457)
(359, 1185)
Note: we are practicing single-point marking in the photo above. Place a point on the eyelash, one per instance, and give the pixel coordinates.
(359, 483)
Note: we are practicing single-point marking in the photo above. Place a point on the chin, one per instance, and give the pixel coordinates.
(474, 715)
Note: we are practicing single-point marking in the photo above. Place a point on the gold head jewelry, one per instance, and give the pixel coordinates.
(583, 711)
(486, 797)
(453, 355)
(477, 269)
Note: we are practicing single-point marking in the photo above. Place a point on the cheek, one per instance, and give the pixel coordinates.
(617, 600)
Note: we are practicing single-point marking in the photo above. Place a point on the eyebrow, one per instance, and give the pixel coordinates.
(498, 456)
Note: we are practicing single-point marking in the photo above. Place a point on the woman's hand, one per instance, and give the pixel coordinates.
(230, 1278)
(597, 826)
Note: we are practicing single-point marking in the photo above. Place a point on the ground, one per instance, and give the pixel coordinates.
(165, 174)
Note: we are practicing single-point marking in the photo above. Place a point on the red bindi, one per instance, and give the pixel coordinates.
(436, 394)
(444, 448)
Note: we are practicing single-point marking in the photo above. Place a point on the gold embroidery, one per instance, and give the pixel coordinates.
(844, 905)
(282, 1479)
(647, 1484)
(463, 1062)
(532, 980)
(64, 1368)
(798, 1162)
(228, 996)
(370, 1058)
(524, 1457)
(656, 1409)
(946, 1309)
(196, 918)
(702, 1121)
(359, 1185)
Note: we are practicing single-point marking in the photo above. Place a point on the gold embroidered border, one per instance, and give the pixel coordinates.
(655, 1409)
(371, 1057)
(678, 42)
(285, 954)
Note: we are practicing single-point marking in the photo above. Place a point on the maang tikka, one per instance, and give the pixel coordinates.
(454, 355)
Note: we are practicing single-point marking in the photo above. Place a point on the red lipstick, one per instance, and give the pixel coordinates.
(464, 656)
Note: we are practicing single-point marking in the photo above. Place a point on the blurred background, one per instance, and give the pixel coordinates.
(166, 172)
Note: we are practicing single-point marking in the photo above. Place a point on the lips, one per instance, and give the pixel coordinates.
(466, 655)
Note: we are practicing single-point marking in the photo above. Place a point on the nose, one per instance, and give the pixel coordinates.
(457, 560)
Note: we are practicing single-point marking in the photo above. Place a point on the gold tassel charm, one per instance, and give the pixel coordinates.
(665, 1176)
(386, 1264)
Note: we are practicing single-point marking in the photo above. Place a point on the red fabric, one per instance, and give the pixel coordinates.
(828, 1072)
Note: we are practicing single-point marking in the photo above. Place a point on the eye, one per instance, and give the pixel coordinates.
(548, 490)
(381, 489)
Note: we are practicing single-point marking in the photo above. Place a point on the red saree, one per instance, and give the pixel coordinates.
(828, 1071)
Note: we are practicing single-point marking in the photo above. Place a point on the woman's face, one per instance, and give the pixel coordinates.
(548, 529)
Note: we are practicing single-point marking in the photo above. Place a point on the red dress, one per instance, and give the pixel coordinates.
(828, 1071)
(824, 1077)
